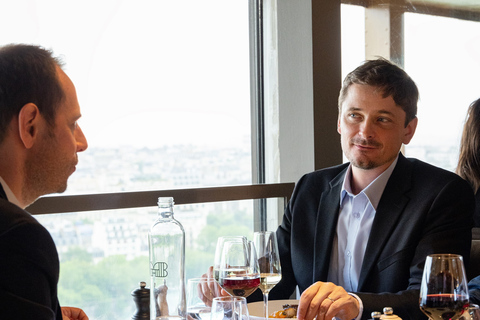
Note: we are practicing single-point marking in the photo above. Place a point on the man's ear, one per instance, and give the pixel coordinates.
(410, 130)
(29, 119)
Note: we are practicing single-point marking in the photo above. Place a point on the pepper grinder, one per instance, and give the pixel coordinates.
(141, 296)
(388, 314)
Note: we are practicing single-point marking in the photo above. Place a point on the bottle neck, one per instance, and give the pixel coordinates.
(165, 212)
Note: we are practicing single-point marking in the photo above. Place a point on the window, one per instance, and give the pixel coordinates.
(104, 255)
(446, 69)
(438, 46)
(164, 89)
(353, 37)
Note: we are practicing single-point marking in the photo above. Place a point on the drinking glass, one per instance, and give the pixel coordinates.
(238, 269)
(229, 308)
(200, 294)
(219, 250)
(444, 292)
(268, 262)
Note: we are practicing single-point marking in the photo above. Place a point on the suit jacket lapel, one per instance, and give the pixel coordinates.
(389, 210)
(3, 195)
(326, 227)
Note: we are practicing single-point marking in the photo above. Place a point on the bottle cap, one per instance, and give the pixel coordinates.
(165, 200)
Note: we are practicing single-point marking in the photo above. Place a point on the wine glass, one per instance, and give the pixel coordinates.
(238, 269)
(200, 294)
(444, 292)
(219, 250)
(269, 263)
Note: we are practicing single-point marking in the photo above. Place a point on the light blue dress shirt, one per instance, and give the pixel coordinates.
(353, 229)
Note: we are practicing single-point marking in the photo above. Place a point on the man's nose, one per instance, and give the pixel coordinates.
(367, 129)
(82, 143)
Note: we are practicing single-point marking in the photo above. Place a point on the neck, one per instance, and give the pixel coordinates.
(361, 178)
(12, 172)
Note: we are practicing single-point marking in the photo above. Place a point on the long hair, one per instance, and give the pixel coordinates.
(469, 160)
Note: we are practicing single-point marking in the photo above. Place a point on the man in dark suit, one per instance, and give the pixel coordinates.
(354, 237)
(39, 141)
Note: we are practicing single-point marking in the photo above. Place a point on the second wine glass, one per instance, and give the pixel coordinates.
(238, 269)
(444, 292)
(269, 263)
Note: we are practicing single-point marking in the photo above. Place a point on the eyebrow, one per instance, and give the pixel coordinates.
(383, 112)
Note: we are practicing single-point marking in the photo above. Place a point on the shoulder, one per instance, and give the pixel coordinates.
(310, 186)
(429, 184)
(426, 173)
(324, 176)
(20, 228)
(12, 216)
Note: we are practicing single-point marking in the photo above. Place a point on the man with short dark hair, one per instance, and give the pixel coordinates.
(39, 142)
(354, 237)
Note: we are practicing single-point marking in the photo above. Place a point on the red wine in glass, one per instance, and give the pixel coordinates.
(444, 290)
(240, 286)
(444, 306)
(238, 269)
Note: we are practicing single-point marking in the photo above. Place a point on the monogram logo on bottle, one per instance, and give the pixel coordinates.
(159, 269)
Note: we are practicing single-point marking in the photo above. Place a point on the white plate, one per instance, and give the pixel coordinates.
(255, 309)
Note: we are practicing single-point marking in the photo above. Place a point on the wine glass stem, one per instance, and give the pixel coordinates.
(265, 304)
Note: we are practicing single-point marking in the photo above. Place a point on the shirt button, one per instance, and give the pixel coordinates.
(356, 215)
(348, 254)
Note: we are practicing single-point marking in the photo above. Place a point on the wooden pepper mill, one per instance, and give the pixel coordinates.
(141, 296)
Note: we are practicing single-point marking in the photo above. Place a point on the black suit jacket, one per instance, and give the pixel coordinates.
(423, 210)
(29, 266)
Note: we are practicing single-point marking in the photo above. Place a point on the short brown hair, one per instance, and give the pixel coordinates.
(28, 75)
(390, 78)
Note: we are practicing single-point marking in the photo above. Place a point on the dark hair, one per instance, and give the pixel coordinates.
(469, 160)
(390, 78)
(28, 75)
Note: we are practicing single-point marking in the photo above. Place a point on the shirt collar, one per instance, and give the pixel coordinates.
(374, 190)
(10, 196)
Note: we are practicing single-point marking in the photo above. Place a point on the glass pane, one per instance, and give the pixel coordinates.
(353, 37)
(104, 254)
(163, 87)
(446, 69)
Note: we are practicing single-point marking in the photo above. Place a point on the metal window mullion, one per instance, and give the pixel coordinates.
(258, 105)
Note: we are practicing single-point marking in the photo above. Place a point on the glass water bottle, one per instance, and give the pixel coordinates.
(167, 264)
